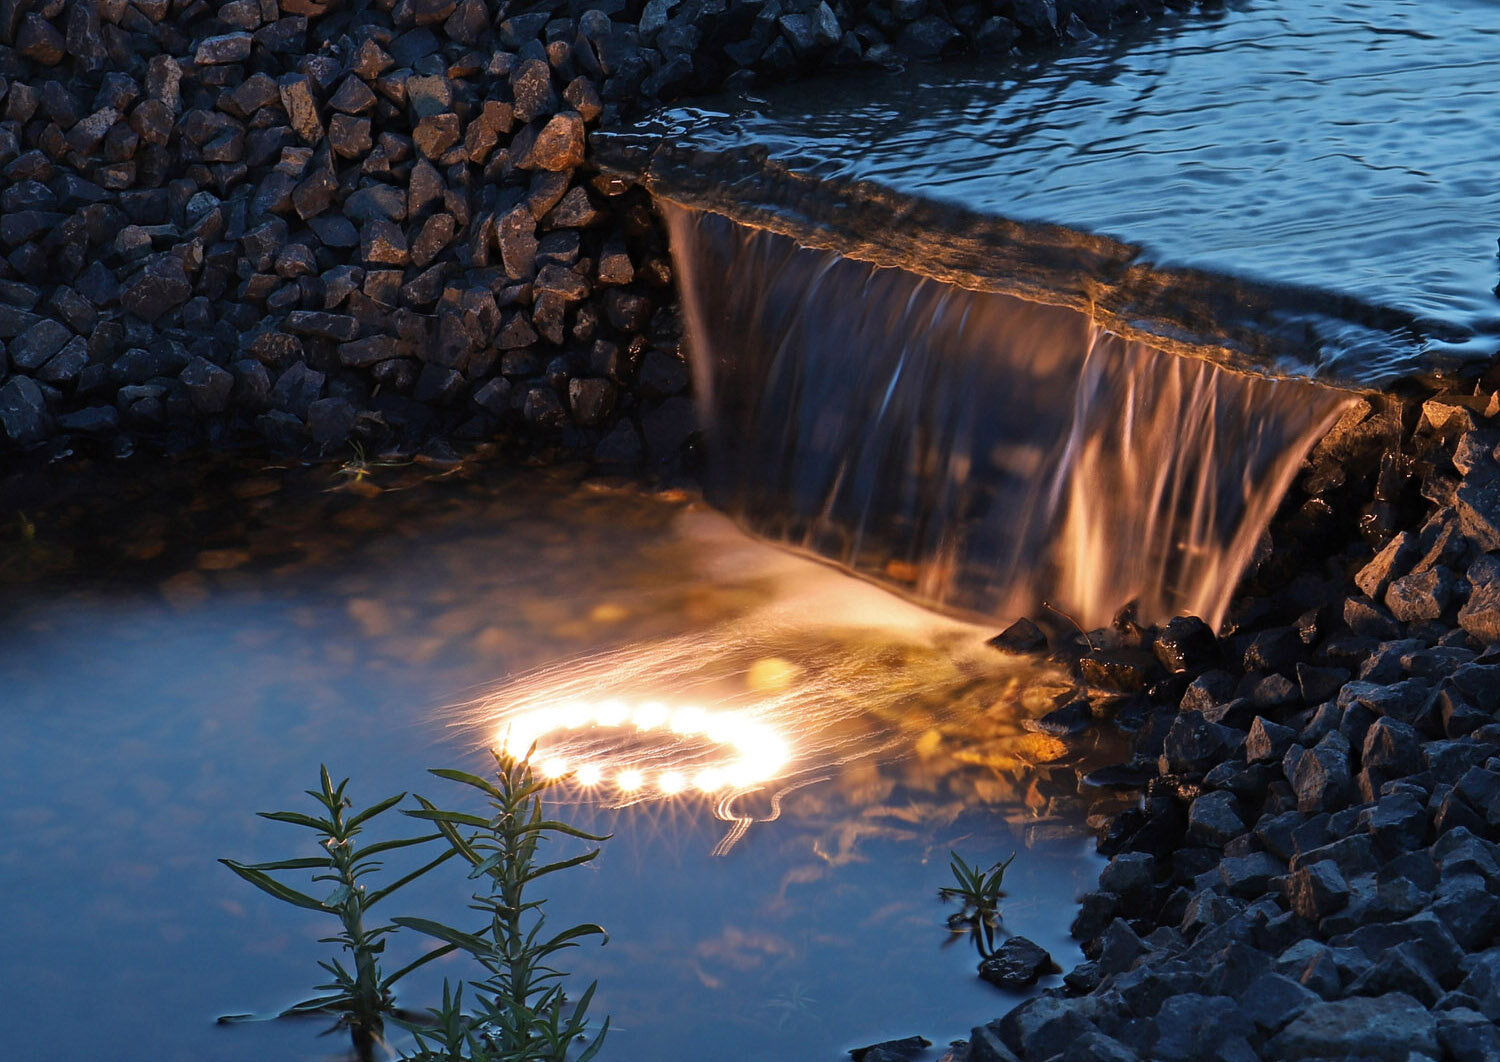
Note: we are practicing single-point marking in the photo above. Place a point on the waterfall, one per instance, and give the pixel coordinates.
(981, 452)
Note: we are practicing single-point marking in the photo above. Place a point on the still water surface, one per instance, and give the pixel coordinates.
(173, 663)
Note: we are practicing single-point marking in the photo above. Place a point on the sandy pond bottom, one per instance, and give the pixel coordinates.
(184, 650)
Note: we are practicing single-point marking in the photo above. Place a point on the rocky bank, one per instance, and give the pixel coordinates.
(1313, 872)
(309, 223)
(306, 224)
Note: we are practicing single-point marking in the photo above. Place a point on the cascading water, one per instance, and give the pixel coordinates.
(985, 453)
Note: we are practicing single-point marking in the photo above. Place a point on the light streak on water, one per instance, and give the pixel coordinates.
(825, 671)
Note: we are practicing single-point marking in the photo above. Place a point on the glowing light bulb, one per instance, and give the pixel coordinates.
(650, 716)
(522, 732)
(611, 713)
(589, 774)
(630, 779)
(554, 767)
(689, 721)
(671, 783)
(708, 780)
(573, 715)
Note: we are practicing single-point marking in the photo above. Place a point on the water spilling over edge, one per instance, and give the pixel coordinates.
(985, 453)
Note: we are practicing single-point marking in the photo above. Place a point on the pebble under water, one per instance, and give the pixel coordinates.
(182, 651)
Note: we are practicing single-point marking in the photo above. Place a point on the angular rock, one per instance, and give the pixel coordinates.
(1393, 1026)
(23, 412)
(32, 348)
(435, 134)
(1317, 890)
(208, 386)
(559, 145)
(225, 48)
(301, 107)
(158, 288)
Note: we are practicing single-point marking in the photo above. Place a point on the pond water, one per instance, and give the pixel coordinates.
(1326, 163)
(182, 648)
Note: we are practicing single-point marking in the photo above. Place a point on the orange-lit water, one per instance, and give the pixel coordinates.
(173, 665)
(982, 452)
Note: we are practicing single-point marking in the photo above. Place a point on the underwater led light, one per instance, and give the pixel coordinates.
(759, 753)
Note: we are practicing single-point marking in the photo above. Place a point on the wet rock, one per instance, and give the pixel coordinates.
(1192, 1026)
(1392, 1026)
(1039, 1028)
(91, 420)
(1185, 643)
(1117, 670)
(23, 412)
(986, 1045)
(1022, 636)
(928, 37)
(907, 1049)
(591, 400)
(667, 428)
(1215, 819)
(1072, 718)
(1193, 744)
(621, 447)
(330, 421)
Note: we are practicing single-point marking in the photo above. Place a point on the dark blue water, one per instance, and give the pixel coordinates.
(168, 670)
(1336, 158)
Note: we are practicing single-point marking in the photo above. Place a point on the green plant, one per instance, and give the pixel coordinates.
(980, 892)
(360, 996)
(520, 1012)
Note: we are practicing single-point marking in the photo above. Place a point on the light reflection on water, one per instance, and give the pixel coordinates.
(151, 710)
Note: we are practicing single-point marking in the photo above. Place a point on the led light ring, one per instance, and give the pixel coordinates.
(762, 753)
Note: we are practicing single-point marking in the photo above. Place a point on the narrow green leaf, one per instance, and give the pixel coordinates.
(466, 778)
(381, 847)
(373, 810)
(298, 819)
(561, 865)
(269, 884)
(471, 943)
(309, 863)
(551, 826)
(593, 1048)
(435, 953)
(587, 929)
(380, 894)
(456, 818)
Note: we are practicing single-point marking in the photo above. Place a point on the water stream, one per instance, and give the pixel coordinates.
(985, 453)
